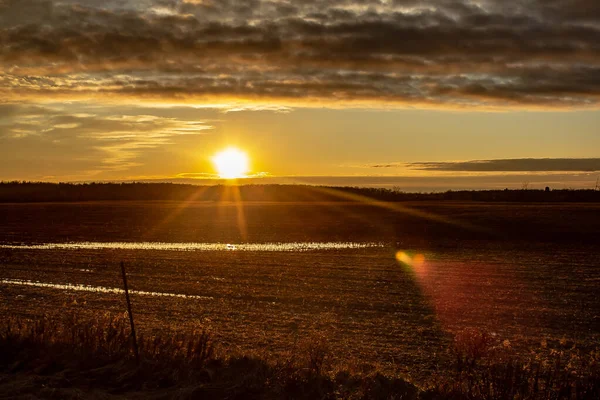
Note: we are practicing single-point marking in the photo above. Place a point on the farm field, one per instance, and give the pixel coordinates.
(399, 282)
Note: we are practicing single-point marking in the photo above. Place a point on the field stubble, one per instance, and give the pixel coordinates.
(534, 291)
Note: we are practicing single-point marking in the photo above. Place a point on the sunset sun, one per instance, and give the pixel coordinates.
(231, 163)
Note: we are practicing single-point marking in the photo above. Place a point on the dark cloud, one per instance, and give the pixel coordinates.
(453, 53)
(507, 165)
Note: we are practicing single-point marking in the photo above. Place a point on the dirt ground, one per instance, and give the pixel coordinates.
(525, 273)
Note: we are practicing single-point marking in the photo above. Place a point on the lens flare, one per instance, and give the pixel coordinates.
(418, 260)
(415, 261)
(403, 258)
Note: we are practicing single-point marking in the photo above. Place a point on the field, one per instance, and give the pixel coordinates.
(412, 275)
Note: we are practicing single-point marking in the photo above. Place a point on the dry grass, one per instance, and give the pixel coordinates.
(487, 368)
(80, 353)
(75, 352)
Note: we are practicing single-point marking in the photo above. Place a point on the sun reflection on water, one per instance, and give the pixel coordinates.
(98, 289)
(265, 247)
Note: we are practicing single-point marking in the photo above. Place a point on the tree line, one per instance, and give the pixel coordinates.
(17, 191)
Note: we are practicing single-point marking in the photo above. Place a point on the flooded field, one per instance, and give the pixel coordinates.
(295, 246)
(383, 287)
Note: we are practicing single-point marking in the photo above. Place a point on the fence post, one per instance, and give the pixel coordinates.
(133, 336)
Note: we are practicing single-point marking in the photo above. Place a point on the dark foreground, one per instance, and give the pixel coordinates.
(74, 358)
(518, 277)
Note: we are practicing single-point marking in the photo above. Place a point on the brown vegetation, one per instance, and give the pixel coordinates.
(73, 357)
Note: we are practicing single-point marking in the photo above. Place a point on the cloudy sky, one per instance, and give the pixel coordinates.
(486, 91)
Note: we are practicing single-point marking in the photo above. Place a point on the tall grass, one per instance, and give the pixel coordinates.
(188, 364)
(106, 337)
(96, 351)
(487, 368)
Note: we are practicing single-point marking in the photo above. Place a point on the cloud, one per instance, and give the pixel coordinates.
(197, 175)
(215, 177)
(507, 165)
(108, 139)
(432, 53)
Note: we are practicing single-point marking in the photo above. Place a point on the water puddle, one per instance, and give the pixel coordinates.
(98, 289)
(264, 247)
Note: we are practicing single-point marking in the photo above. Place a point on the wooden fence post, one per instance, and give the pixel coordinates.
(133, 336)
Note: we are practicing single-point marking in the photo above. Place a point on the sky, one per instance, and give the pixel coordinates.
(418, 95)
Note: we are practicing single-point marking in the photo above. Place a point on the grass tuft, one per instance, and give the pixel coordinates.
(73, 355)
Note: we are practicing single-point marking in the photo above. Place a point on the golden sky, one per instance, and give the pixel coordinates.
(152, 89)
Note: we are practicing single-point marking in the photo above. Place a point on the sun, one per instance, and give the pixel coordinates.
(231, 163)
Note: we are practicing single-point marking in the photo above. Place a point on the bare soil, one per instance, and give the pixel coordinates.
(526, 273)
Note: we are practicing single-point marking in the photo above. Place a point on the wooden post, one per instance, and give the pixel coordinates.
(134, 338)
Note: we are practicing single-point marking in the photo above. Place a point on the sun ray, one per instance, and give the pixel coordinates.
(241, 218)
(353, 197)
(196, 196)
